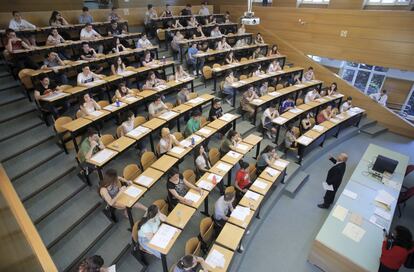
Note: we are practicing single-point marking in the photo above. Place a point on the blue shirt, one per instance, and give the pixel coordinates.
(286, 104)
(192, 51)
(85, 19)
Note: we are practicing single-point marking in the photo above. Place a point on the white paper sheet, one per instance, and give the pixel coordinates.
(196, 138)
(353, 232)
(161, 87)
(384, 214)
(163, 236)
(168, 115)
(272, 172)
(185, 143)
(133, 191)
(102, 155)
(177, 150)
(211, 176)
(335, 120)
(192, 196)
(281, 164)
(196, 100)
(223, 167)
(274, 94)
(137, 131)
(252, 195)
(340, 212)
(215, 259)
(350, 194)
(304, 140)
(111, 108)
(260, 184)
(257, 101)
(53, 96)
(112, 268)
(144, 180)
(131, 99)
(227, 117)
(96, 113)
(295, 110)
(234, 155)
(242, 147)
(384, 197)
(327, 187)
(204, 131)
(318, 128)
(127, 73)
(205, 185)
(240, 213)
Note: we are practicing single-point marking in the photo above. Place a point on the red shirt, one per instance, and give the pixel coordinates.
(242, 178)
(395, 257)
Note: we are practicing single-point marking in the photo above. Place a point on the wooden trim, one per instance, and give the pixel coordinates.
(26, 225)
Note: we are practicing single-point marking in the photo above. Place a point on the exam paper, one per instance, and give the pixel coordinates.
(242, 147)
(112, 268)
(279, 120)
(96, 113)
(234, 155)
(340, 212)
(240, 213)
(304, 140)
(102, 156)
(196, 100)
(211, 175)
(384, 197)
(353, 232)
(252, 195)
(318, 128)
(272, 172)
(227, 117)
(177, 150)
(257, 101)
(133, 191)
(335, 120)
(185, 143)
(224, 167)
(378, 221)
(274, 94)
(215, 259)
(260, 184)
(384, 214)
(163, 236)
(327, 187)
(350, 194)
(192, 196)
(205, 185)
(295, 110)
(168, 115)
(281, 164)
(144, 180)
(205, 131)
(131, 99)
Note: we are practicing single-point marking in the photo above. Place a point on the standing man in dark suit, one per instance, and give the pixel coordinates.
(334, 179)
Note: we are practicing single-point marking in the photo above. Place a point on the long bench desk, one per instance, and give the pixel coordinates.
(154, 21)
(332, 250)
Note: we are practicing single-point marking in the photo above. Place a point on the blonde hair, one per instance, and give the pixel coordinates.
(165, 132)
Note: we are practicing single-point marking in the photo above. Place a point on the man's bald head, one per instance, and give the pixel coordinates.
(343, 157)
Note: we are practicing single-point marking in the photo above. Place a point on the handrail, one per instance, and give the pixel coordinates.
(26, 226)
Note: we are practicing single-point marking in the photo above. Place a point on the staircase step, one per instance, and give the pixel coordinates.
(244, 127)
(8, 82)
(27, 161)
(75, 244)
(295, 183)
(35, 181)
(39, 206)
(24, 141)
(10, 95)
(18, 125)
(374, 130)
(128, 263)
(366, 122)
(15, 109)
(68, 216)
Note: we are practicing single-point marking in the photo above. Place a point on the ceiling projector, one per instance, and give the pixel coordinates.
(249, 18)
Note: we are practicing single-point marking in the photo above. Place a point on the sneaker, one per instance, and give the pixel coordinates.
(228, 101)
(194, 73)
(247, 232)
(241, 248)
(269, 135)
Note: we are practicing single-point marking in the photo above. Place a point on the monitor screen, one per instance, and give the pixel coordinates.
(384, 164)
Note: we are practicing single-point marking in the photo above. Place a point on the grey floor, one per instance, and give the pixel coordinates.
(283, 241)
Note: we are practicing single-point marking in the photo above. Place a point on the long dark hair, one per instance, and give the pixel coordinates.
(267, 149)
(205, 157)
(53, 17)
(110, 178)
(151, 213)
(185, 262)
(116, 65)
(231, 134)
(91, 264)
(403, 237)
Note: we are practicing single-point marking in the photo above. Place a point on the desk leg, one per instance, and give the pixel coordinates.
(283, 177)
(164, 263)
(300, 154)
(152, 142)
(254, 116)
(100, 174)
(156, 53)
(257, 151)
(229, 177)
(215, 82)
(130, 217)
(181, 54)
(359, 120)
(197, 62)
(75, 144)
(178, 124)
(173, 68)
(258, 211)
(239, 247)
(221, 187)
(206, 207)
(192, 86)
(277, 135)
(234, 125)
(234, 97)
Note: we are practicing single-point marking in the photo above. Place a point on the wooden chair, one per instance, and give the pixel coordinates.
(206, 233)
(296, 132)
(79, 114)
(162, 206)
(193, 246)
(119, 132)
(252, 171)
(161, 34)
(214, 155)
(312, 121)
(26, 81)
(139, 120)
(63, 136)
(178, 135)
(147, 159)
(207, 74)
(279, 86)
(107, 139)
(243, 77)
(169, 105)
(131, 171)
(190, 176)
(216, 65)
(299, 101)
(203, 121)
(243, 59)
(137, 251)
(271, 89)
(192, 95)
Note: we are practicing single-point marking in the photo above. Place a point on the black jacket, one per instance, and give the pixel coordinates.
(335, 174)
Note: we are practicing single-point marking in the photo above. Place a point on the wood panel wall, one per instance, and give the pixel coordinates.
(295, 55)
(39, 5)
(398, 89)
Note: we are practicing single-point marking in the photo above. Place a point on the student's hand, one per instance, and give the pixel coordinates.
(188, 202)
(200, 191)
(94, 144)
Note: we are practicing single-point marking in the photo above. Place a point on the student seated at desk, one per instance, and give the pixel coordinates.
(143, 42)
(204, 9)
(192, 22)
(211, 20)
(157, 107)
(17, 23)
(180, 73)
(290, 137)
(287, 104)
(113, 15)
(274, 66)
(325, 115)
(167, 12)
(229, 142)
(89, 105)
(306, 123)
(228, 89)
(268, 115)
(215, 32)
(147, 228)
(122, 92)
(224, 207)
(266, 158)
(91, 145)
(112, 186)
(241, 43)
(87, 76)
(183, 96)
(167, 141)
(186, 11)
(192, 61)
(223, 45)
(178, 187)
(53, 61)
(257, 53)
(176, 24)
(227, 17)
(230, 58)
(257, 70)
(43, 90)
(191, 263)
(54, 38)
(57, 20)
(311, 96)
(333, 89)
(308, 75)
(347, 104)
(193, 124)
(203, 46)
(115, 30)
(259, 39)
(14, 44)
(128, 124)
(175, 43)
(85, 17)
(381, 98)
(274, 50)
(152, 82)
(150, 14)
(243, 182)
(147, 60)
(241, 30)
(263, 89)
(198, 33)
(118, 67)
(248, 96)
(88, 33)
(87, 53)
(202, 161)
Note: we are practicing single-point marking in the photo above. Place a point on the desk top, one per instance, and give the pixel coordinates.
(228, 255)
(252, 139)
(243, 224)
(269, 174)
(154, 123)
(197, 203)
(148, 177)
(164, 163)
(243, 148)
(217, 124)
(102, 157)
(182, 108)
(170, 243)
(121, 144)
(221, 168)
(180, 216)
(261, 186)
(127, 200)
(232, 157)
(96, 115)
(76, 124)
(251, 199)
(230, 236)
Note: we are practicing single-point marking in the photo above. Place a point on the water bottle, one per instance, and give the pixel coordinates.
(163, 60)
(117, 103)
(214, 180)
(192, 141)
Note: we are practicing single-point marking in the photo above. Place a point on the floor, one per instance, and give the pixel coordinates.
(283, 241)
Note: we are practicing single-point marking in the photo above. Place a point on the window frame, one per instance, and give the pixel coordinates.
(380, 3)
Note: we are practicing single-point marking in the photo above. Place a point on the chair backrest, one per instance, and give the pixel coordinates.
(409, 169)
(203, 121)
(222, 86)
(192, 95)
(190, 176)
(119, 132)
(147, 159)
(252, 171)
(178, 135)
(161, 34)
(79, 114)
(216, 65)
(271, 89)
(107, 139)
(404, 196)
(169, 105)
(299, 101)
(206, 229)
(207, 72)
(193, 246)
(243, 77)
(296, 131)
(162, 206)
(243, 59)
(131, 171)
(158, 149)
(25, 78)
(312, 121)
(279, 86)
(103, 103)
(214, 155)
(134, 233)
(60, 122)
(139, 120)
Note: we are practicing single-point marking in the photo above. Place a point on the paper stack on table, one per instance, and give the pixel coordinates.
(240, 213)
(260, 184)
(340, 212)
(349, 194)
(205, 185)
(384, 198)
(379, 221)
(257, 101)
(196, 138)
(384, 214)
(335, 120)
(295, 110)
(227, 117)
(192, 196)
(274, 94)
(96, 113)
(138, 131)
(103, 155)
(196, 100)
(215, 259)
(279, 120)
(234, 155)
(242, 147)
(211, 176)
(144, 180)
(168, 115)
(223, 167)
(272, 172)
(205, 131)
(304, 140)
(318, 128)
(353, 232)
(133, 191)
(163, 236)
(131, 99)
(177, 150)
(252, 195)
(281, 164)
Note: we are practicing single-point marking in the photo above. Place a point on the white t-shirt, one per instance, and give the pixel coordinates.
(82, 78)
(88, 34)
(127, 126)
(23, 24)
(143, 43)
(201, 162)
(310, 96)
(381, 99)
(345, 106)
(267, 115)
(215, 33)
(154, 109)
(221, 208)
(150, 227)
(166, 145)
(204, 11)
(272, 68)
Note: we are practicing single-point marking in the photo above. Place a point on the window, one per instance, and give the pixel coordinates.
(365, 77)
(388, 2)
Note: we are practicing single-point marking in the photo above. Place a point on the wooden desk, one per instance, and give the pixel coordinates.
(130, 100)
(154, 123)
(216, 168)
(267, 176)
(197, 204)
(127, 200)
(138, 133)
(217, 124)
(102, 157)
(164, 163)
(208, 177)
(182, 108)
(254, 140)
(261, 186)
(280, 164)
(76, 124)
(232, 157)
(230, 236)
(243, 148)
(114, 107)
(228, 255)
(243, 224)
(96, 115)
(146, 93)
(251, 201)
(121, 144)
(180, 216)
(206, 131)
(148, 177)
(168, 115)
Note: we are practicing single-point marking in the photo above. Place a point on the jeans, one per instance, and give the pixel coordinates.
(229, 91)
(193, 63)
(143, 242)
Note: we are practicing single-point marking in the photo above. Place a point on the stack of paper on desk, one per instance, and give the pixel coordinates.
(168, 115)
(133, 191)
(272, 172)
(144, 180)
(252, 195)
(192, 196)
(103, 155)
(205, 131)
(205, 185)
(260, 184)
(318, 128)
(242, 147)
(138, 131)
(304, 140)
(340, 212)
(234, 155)
(240, 213)
(385, 198)
(215, 259)
(353, 232)
(281, 164)
(227, 117)
(177, 150)
(163, 236)
(196, 100)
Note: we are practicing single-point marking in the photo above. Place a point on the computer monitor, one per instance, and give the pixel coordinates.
(384, 164)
